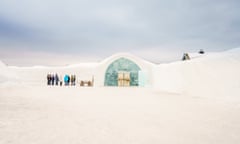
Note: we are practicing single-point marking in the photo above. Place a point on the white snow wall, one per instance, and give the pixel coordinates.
(217, 74)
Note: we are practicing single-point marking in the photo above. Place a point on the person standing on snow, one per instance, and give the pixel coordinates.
(56, 79)
(66, 80)
(60, 80)
(74, 80)
(52, 79)
(48, 79)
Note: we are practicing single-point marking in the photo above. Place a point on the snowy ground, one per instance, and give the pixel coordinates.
(192, 102)
(71, 115)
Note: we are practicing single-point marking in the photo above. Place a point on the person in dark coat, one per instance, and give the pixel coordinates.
(56, 79)
(68, 79)
(48, 79)
(74, 80)
(71, 79)
(60, 80)
(52, 79)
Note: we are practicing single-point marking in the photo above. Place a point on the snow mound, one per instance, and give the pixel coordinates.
(215, 74)
(2, 65)
(7, 76)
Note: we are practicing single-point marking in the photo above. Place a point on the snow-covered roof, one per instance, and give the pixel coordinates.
(125, 55)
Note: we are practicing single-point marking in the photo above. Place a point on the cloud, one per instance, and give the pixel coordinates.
(93, 27)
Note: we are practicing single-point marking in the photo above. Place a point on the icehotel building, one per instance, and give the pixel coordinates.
(121, 69)
(124, 70)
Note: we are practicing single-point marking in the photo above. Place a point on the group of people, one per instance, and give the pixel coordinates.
(54, 79)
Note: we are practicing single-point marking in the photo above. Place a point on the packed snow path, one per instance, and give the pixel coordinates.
(73, 115)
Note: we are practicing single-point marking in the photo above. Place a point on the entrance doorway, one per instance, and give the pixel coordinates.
(122, 72)
(123, 79)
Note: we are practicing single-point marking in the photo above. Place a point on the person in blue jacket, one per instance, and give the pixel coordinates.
(66, 79)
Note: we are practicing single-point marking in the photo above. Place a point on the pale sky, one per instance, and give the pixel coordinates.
(71, 31)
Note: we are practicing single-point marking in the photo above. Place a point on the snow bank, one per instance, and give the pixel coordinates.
(2, 65)
(7, 77)
(4, 73)
(214, 74)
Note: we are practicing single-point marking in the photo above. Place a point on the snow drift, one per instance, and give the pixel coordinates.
(6, 75)
(214, 74)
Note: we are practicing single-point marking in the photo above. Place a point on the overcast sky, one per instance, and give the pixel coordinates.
(82, 30)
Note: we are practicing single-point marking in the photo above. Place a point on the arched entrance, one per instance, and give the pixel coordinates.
(122, 72)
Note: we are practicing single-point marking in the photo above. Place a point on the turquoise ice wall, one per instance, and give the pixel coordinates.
(121, 64)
